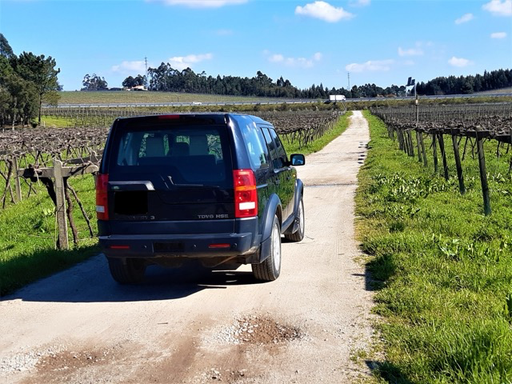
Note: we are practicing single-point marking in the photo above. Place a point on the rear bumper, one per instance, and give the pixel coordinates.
(175, 246)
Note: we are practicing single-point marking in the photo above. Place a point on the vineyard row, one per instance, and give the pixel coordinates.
(30, 151)
(475, 123)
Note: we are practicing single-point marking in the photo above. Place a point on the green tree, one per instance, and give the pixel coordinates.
(18, 97)
(131, 81)
(21, 99)
(5, 48)
(41, 71)
(94, 83)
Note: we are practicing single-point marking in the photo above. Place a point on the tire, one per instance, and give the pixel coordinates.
(298, 235)
(127, 271)
(270, 268)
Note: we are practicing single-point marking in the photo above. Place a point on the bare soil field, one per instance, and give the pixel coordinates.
(192, 325)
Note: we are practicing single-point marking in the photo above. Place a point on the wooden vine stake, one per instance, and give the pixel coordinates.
(423, 152)
(462, 187)
(483, 173)
(60, 205)
(410, 144)
(443, 155)
(400, 136)
(17, 184)
(56, 181)
(434, 147)
(418, 142)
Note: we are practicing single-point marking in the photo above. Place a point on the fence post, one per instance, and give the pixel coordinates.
(61, 205)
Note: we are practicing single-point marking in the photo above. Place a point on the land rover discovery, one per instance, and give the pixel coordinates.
(215, 187)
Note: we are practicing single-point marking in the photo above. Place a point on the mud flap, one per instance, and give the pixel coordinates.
(299, 187)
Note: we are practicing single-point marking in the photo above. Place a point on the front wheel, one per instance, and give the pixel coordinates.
(127, 271)
(270, 268)
(298, 235)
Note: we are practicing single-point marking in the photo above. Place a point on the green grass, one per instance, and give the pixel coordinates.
(121, 97)
(28, 234)
(57, 121)
(442, 270)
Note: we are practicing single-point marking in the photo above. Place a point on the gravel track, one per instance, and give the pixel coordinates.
(192, 325)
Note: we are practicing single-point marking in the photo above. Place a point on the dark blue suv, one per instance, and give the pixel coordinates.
(214, 187)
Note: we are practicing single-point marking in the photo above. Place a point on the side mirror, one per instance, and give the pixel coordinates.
(297, 159)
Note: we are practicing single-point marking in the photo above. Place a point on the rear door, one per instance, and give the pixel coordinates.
(284, 175)
(170, 170)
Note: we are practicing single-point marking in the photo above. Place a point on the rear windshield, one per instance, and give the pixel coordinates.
(183, 155)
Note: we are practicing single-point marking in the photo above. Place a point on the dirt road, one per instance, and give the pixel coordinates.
(195, 326)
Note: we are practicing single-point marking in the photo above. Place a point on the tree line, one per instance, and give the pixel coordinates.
(453, 85)
(26, 81)
(165, 78)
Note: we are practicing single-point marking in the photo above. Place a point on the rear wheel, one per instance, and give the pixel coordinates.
(270, 268)
(298, 235)
(127, 271)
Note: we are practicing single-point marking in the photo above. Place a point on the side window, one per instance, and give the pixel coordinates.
(214, 146)
(268, 139)
(280, 158)
(255, 144)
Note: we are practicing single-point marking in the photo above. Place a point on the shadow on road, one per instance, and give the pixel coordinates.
(90, 281)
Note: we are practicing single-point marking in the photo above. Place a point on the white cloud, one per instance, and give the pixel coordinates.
(370, 66)
(130, 67)
(200, 3)
(410, 52)
(300, 62)
(499, 8)
(464, 18)
(323, 11)
(182, 62)
(498, 35)
(459, 62)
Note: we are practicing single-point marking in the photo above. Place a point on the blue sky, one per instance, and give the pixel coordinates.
(305, 41)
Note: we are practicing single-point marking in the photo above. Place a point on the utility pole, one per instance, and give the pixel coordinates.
(349, 89)
(146, 74)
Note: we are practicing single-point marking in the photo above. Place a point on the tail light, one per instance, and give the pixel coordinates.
(102, 196)
(246, 196)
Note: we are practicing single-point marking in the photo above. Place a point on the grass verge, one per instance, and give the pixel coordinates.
(442, 270)
(316, 145)
(28, 234)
